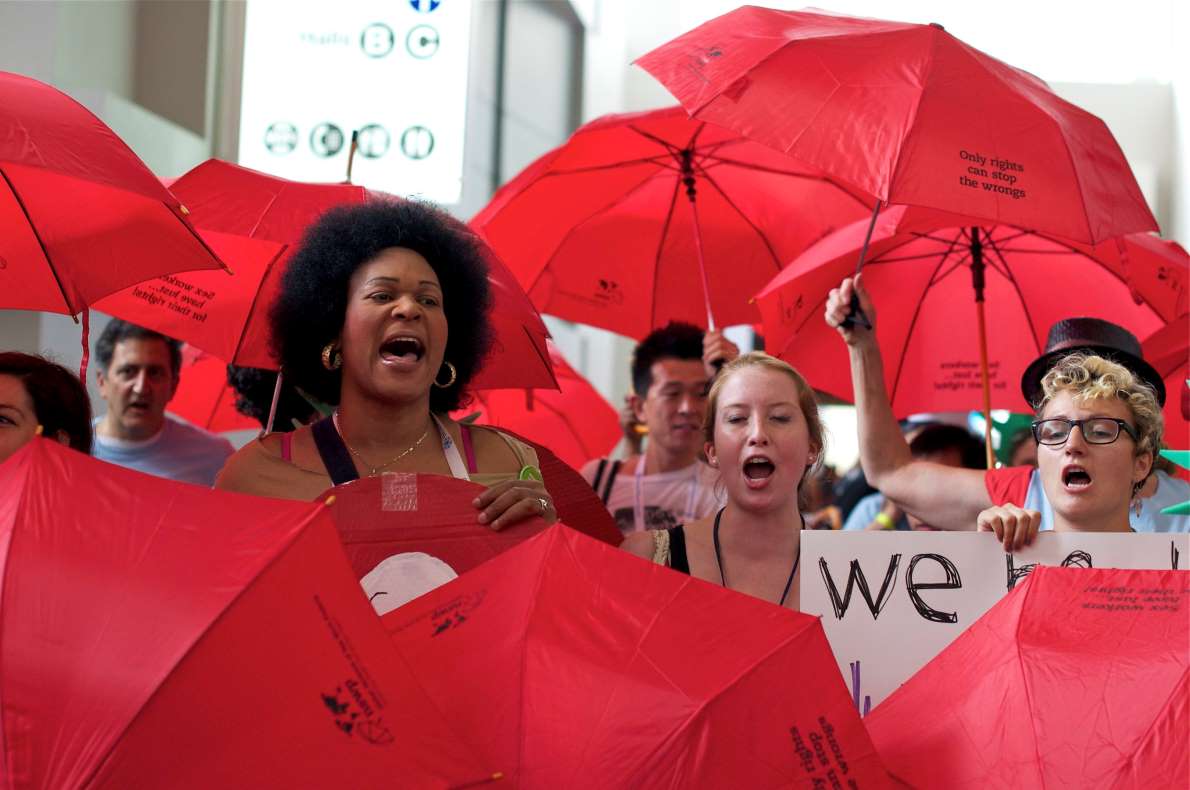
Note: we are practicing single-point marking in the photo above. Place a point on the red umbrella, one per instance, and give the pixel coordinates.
(80, 215)
(265, 217)
(1168, 351)
(574, 421)
(204, 397)
(908, 114)
(922, 286)
(189, 638)
(573, 664)
(1078, 678)
(644, 218)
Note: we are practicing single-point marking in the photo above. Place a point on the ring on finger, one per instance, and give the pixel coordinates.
(545, 505)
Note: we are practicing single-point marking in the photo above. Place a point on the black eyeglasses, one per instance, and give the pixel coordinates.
(1096, 430)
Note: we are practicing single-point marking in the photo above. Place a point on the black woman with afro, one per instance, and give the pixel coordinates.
(383, 314)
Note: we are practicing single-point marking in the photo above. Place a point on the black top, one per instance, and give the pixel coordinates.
(677, 550)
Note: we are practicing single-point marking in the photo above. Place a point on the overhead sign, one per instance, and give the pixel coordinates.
(890, 602)
(394, 72)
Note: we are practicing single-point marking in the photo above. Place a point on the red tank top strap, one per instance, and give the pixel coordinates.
(468, 448)
(287, 446)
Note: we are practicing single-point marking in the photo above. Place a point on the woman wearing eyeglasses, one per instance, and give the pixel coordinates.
(1097, 431)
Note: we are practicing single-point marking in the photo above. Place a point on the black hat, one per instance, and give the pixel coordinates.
(1090, 336)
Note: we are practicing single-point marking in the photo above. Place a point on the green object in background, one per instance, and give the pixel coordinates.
(1008, 429)
(1179, 457)
(1182, 459)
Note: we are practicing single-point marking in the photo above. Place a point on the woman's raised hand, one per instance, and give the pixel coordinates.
(1014, 526)
(838, 306)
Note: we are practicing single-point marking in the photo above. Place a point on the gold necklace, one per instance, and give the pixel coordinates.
(375, 469)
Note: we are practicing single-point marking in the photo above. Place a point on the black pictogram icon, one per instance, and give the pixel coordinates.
(417, 142)
(326, 140)
(281, 138)
(373, 141)
(377, 40)
(422, 42)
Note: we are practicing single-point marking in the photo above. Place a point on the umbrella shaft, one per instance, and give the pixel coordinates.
(702, 266)
(987, 386)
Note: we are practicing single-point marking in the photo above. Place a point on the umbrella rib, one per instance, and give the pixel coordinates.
(44, 252)
(646, 160)
(892, 395)
(1008, 275)
(549, 365)
(671, 148)
(849, 191)
(767, 244)
(673, 200)
(264, 211)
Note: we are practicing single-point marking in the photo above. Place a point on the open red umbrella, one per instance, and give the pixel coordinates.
(1077, 678)
(262, 219)
(80, 215)
(187, 638)
(1168, 351)
(908, 114)
(573, 664)
(574, 421)
(648, 217)
(922, 286)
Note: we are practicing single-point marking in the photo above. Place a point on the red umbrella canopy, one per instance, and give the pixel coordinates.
(574, 664)
(203, 396)
(396, 515)
(610, 228)
(192, 638)
(1077, 678)
(257, 220)
(921, 284)
(574, 421)
(80, 215)
(909, 114)
(1168, 351)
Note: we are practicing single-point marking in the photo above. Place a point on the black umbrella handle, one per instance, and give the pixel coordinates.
(855, 315)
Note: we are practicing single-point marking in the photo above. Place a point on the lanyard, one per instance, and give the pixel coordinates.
(453, 458)
(638, 505)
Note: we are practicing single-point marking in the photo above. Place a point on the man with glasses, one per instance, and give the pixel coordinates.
(951, 498)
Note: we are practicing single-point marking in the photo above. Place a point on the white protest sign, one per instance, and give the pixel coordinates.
(393, 70)
(891, 601)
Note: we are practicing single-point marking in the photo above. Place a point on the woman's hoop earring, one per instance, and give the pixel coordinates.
(454, 375)
(331, 358)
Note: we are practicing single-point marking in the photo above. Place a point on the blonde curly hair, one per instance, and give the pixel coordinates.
(1090, 377)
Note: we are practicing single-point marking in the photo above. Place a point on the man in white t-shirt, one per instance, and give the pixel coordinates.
(667, 485)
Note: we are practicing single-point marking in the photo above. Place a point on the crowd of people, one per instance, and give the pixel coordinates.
(382, 322)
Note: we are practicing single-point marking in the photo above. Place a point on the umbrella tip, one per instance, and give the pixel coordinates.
(938, 25)
(330, 500)
(182, 208)
(496, 777)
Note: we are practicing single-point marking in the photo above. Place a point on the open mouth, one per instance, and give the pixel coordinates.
(1075, 478)
(758, 468)
(403, 349)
